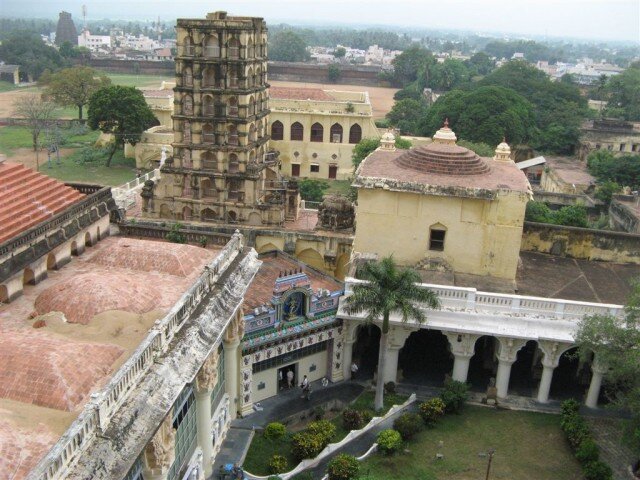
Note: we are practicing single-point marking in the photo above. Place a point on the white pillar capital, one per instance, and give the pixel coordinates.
(398, 335)
(552, 352)
(462, 344)
(508, 349)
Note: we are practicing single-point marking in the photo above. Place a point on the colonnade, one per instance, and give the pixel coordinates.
(462, 347)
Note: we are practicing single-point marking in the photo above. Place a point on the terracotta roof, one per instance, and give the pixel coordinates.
(29, 198)
(384, 165)
(299, 94)
(21, 449)
(570, 170)
(273, 264)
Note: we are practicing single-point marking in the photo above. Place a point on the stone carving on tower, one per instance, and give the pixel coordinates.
(221, 125)
(159, 453)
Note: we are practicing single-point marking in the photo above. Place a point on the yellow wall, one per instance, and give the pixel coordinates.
(270, 377)
(482, 236)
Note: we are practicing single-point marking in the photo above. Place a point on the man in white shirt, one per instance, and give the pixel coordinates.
(354, 370)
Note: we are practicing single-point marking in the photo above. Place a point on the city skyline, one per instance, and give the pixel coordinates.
(528, 18)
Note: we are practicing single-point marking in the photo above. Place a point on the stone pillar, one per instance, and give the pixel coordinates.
(206, 380)
(463, 348)
(552, 352)
(507, 353)
(395, 341)
(159, 453)
(232, 337)
(461, 367)
(596, 382)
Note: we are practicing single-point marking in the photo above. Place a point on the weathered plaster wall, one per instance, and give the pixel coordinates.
(584, 243)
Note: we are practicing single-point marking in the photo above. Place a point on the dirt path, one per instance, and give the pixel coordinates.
(8, 98)
(381, 98)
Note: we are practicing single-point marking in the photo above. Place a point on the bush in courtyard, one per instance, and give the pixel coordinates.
(408, 424)
(575, 428)
(597, 471)
(324, 429)
(275, 430)
(352, 419)
(318, 413)
(569, 407)
(389, 388)
(343, 467)
(431, 411)
(389, 441)
(367, 415)
(175, 236)
(306, 445)
(587, 452)
(278, 464)
(454, 396)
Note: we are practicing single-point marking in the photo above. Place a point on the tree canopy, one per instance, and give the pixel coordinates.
(407, 114)
(37, 113)
(287, 46)
(624, 93)
(74, 86)
(484, 115)
(122, 112)
(607, 167)
(367, 145)
(410, 64)
(29, 51)
(481, 63)
(312, 190)
(570, 216)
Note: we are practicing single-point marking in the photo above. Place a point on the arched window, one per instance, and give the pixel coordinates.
(250, 78)
(277, 130)
(186, 132)
(297, 131)
(187, 105)
(234, 165)
(317, 132)
(233, 48)
(208, 161)
(355, 133)
(252, 133)
(252, 106)
(209, 77)
(186, 188)
(207, 189)
(208, 133)
(187, 47)
(336, 133)
(212, 47)
(187, 77)
(233, 76)
(233, 135)
(208, 214)
(233, 106)
(207, 104)
(186, 159)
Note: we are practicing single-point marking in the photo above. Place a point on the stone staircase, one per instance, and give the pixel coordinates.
(28, 198)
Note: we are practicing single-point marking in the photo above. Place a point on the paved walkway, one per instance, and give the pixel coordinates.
(278, 408)
(608, 435)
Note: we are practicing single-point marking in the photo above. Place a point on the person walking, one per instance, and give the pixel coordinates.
(305, 388)
(354, 370)
(290, 376)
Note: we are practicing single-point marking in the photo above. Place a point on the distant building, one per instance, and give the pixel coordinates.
(566, 175)
(610, 134)
(66, 30)
(93, 42)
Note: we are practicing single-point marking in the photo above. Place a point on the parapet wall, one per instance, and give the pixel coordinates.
(584, 243)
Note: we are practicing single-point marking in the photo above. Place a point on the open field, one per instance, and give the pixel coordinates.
(527, 446)
(381, 98)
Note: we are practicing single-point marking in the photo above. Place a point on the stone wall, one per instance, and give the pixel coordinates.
(584, 243)
(622, 216)
(312, 72)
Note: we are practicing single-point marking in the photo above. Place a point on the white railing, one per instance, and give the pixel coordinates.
(97, 413)
(470, 299)
(125, 194)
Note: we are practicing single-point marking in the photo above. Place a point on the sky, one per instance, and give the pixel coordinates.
(588, 19)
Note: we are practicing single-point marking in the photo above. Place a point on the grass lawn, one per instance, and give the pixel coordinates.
(14, 137)
(528, 446)
(139, 80)
(262, 449)
(121, 170)
(338, 186)
(7, 87)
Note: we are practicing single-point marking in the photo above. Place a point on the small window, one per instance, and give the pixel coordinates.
(297, 131)
(635, 147)
(315, 168)
(623, 146)
(436, 241)
(317, 132)
(597, 146)
(295, 169)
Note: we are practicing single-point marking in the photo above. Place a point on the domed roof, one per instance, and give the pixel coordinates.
(444, 157)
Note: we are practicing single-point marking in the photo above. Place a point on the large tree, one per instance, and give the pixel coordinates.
(29, 51)
(407, 114)
(37, 112)
(414, 62)
(388, 289)
(288, 46)
(74, 86)
(121, 112)
(624, 93)
(484, 115)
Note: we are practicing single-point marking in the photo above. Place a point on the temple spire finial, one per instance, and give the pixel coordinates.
(446, 122)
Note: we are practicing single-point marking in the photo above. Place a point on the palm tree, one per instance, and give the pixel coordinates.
(389, 289)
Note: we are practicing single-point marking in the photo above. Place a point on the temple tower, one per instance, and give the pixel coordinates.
(221, 170)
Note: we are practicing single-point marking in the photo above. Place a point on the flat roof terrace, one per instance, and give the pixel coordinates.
(65, 337)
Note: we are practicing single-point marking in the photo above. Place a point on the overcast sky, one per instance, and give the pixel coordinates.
(598, 19)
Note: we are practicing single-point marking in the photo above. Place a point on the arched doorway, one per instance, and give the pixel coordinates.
(571, 377)
(426, 358)
(28, 277)
(526, 371)
(311, 258)
(366, 350)
(232, 216)
(51, 262)
(4, 294)
(483, 365)
(87, 240)
(269, 247)
(74, 249)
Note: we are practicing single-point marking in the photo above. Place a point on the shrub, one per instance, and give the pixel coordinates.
(576, 429)
(203, 241)
(367, 415)
(275, 430)
(389, 441)
(278, 464)
(343, 467)
(431, 411)
(597, 471)
(306, 445)
(175, 236)
(408, 424)
(389, 388)
(587, 452)
(569, 407)
(318, 413)
(352, 419)
(454, 396)
(324, 429)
